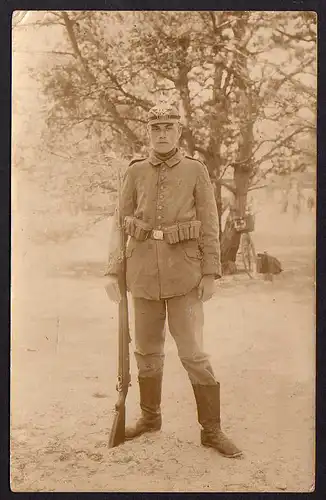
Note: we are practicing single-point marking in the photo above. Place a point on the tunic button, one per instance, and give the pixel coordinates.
(159, 207)
(159, 217)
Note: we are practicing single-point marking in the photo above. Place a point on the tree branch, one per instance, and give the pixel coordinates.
(202, 151)
(226, 185)
(54, 52)
(295, 37)
(162, 74)
(268, 155)
(40, 24)
(289, 77)
(224, 170)
(144, 103)
(182, 85)
(108, 105)
(257, 187)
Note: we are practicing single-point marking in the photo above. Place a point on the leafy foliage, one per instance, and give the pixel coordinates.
(244, 81)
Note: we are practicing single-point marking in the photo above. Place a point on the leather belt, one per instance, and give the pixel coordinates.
(179, 231)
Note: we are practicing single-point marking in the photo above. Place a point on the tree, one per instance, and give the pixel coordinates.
(244, 81)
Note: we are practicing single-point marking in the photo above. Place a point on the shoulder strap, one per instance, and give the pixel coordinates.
(135, 160)
(195, 159)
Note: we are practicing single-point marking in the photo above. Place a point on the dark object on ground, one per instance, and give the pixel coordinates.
(229, 268)
(267, 264)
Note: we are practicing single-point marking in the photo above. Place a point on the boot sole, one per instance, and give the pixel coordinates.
(141, 434)
(238, 454)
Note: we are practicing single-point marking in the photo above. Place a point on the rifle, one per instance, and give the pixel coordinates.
(117, 434)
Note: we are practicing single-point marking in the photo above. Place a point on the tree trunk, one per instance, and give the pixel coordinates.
(229, 245)
(218, 199)
(213, 166)
(230, 240)
(243, 166)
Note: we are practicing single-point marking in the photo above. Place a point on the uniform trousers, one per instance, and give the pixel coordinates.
(186, 320)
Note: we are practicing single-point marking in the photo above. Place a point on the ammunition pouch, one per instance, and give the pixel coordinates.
(137, 228)
(181, 231)
(171, 234)
(189, 230)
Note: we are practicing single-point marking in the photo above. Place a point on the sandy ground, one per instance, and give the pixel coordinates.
(64, 343)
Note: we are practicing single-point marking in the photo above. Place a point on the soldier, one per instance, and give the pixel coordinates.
(173, 258)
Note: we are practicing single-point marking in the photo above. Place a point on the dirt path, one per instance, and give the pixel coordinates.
(261, 339)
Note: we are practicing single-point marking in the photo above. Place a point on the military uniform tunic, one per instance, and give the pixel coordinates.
(161, 194)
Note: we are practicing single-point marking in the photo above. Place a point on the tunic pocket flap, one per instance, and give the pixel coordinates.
(193, 253)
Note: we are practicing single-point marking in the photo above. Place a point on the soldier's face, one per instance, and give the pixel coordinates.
(164, 136)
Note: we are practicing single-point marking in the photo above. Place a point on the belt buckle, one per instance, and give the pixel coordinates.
(157, 234)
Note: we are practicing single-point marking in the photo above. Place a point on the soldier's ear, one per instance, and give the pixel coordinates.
(180, 129)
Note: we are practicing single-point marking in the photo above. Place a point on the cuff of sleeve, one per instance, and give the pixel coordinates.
(214, 276)
(112, 269)
(212, 267)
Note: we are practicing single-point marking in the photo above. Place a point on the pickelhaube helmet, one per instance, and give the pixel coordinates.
(163, 113)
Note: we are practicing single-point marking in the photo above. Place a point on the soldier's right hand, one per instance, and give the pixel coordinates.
(112, 288)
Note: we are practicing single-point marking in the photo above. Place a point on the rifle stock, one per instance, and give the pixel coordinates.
(117, 434)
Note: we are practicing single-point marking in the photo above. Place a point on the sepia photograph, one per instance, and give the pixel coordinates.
(163, 251)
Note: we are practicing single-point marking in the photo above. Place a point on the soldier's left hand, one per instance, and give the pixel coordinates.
(206, 288)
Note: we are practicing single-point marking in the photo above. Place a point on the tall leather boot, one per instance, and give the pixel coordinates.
(208, 409)
(150, 389)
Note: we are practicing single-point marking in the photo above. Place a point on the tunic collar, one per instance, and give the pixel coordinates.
(171, 162)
